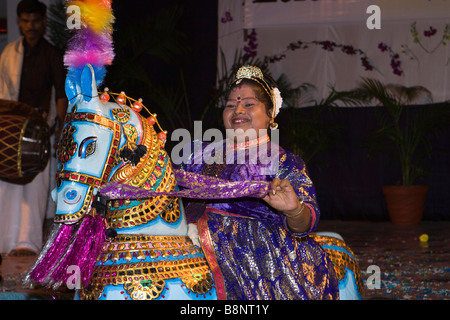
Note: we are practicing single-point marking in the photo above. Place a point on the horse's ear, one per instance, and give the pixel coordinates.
(88, 84)
(72, 91)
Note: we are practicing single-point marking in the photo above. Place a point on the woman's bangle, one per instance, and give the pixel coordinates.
(298, 214)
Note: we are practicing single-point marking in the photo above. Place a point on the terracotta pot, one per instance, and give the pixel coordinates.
(405, 204)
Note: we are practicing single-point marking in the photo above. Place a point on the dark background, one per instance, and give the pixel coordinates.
(199, 24)
(348, 180)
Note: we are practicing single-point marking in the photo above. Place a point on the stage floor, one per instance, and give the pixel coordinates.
(409, 269)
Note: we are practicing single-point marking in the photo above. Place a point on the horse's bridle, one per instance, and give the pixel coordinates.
(91, 181)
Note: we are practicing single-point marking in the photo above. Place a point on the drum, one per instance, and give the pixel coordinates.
(24, 142)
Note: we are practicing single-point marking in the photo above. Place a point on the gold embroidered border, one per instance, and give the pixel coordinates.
(208, 247)
(340, 259)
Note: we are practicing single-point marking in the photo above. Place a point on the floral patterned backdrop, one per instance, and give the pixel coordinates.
(411, 47)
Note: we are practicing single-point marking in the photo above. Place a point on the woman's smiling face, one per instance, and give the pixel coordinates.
(244, 111)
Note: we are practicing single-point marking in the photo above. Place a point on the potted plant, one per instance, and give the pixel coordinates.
(404, 134)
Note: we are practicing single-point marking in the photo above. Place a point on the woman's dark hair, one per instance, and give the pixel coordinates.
(31, 6)
(260, 93)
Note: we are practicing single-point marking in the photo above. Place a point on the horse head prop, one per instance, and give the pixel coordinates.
(127, 248)
(106, 141)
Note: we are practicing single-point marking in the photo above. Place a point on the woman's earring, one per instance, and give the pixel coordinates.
(273, 125)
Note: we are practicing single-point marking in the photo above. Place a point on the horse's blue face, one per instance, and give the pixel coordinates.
(93, 134)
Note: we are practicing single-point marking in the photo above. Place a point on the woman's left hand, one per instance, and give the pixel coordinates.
(282, 196)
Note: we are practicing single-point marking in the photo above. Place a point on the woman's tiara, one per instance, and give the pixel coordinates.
(254, 73)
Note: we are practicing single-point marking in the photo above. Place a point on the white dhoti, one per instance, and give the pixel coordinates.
(22, 213)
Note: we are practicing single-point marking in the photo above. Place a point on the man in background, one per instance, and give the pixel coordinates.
(31, 71)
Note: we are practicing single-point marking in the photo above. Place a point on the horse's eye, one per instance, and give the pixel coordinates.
(87, 147)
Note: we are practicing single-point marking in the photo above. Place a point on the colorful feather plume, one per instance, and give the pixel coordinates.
(91, 41)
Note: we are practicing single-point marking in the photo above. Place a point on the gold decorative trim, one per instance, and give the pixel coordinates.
(122, 115)
(145, 290)
(146, 211)
(74, 217)
(198, 283)
(144, 280)
(79, 177)
(140, 247)
(93, 117)
(138, 175)
(172, 212)
(92, 182)
(131, 133)
(341, 260)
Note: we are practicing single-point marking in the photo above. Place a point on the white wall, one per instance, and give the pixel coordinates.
(426, 63)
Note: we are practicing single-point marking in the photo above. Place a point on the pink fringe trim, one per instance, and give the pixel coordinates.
(82, 250)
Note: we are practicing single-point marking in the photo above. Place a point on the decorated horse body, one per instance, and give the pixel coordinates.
(148, 254)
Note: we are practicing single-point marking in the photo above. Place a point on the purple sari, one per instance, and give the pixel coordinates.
(249, 247)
